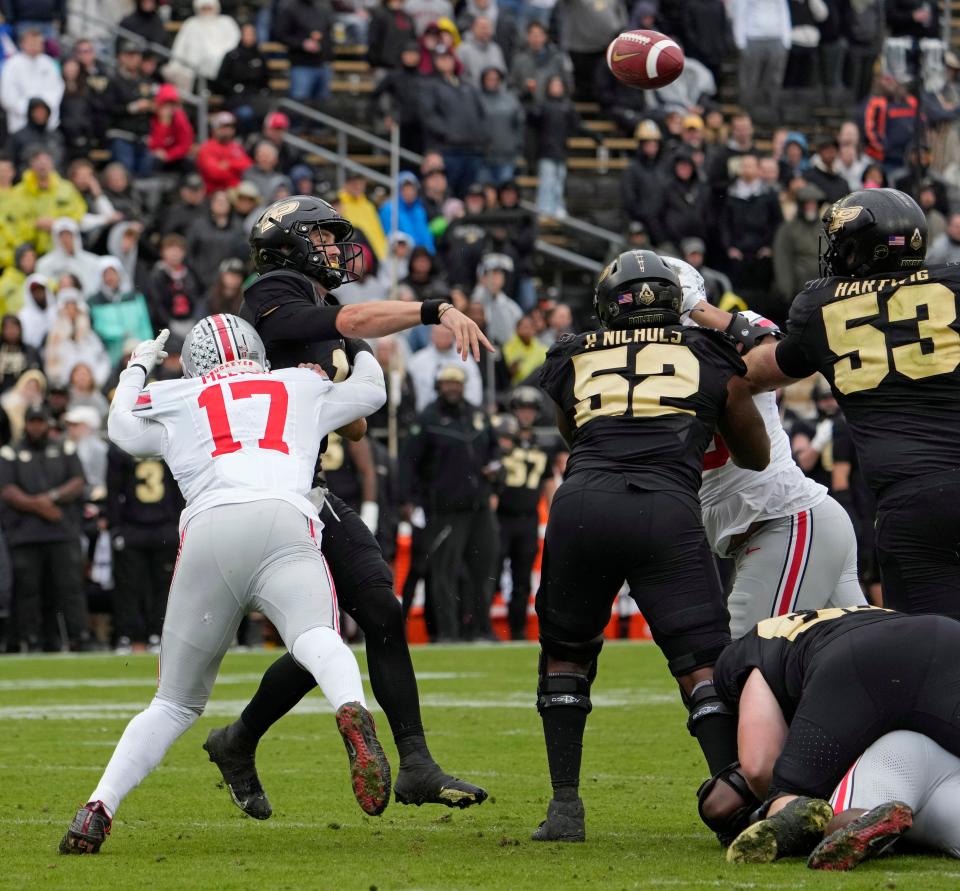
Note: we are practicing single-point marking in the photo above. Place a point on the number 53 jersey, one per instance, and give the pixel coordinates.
(643, 402)
(234, 436)
(890, 348)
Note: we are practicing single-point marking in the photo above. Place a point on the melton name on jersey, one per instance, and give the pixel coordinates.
(635, 399)
(890, 347)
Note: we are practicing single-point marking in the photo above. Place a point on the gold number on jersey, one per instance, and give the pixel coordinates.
(943, 354)
(864, 348)
(524, 468)
(601, 390)
(792, 625)
(150, 487)
(674, 372)
(341, 365)
(333, 456)
(598, 392)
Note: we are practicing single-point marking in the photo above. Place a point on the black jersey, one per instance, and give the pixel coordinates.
(141, 492)
(341, 472)
(526, 465)
(784, 649)
(643, 402)
(295, 327)
(890, 348)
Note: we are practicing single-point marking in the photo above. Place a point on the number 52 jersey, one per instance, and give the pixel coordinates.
(890, 348)
(235, 436)
(642, 402)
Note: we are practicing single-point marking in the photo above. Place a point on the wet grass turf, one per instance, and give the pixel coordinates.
(60, 717)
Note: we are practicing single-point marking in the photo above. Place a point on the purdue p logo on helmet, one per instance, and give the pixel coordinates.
(307, 235)
(872, 231)
(637, 290)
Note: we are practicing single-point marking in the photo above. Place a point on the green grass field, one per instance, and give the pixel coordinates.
(60, 717)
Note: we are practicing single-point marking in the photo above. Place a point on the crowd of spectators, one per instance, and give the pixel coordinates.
(118, 220)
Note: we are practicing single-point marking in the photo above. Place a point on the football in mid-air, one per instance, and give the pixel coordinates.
(647, 60)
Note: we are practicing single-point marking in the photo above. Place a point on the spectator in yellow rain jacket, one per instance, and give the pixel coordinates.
(13, 277)
(41, 197)
(361, 211)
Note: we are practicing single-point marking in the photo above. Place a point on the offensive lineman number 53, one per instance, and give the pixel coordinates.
(866, 346)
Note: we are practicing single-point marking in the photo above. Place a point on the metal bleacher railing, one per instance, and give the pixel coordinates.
(340, 160)
(199, 98)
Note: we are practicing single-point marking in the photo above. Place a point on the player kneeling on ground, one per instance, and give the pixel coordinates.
(638, 401)
(242, 444)
(814, 690)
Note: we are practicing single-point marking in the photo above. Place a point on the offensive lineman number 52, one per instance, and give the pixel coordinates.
(866, 346)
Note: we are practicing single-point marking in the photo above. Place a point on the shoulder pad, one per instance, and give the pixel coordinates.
(276, 287)
(565, 344)
(719, 337)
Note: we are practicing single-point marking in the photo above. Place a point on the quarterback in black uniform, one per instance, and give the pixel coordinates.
(814, 690)
(301, 247)
(884, 330)
(527, 469)
(638, 401)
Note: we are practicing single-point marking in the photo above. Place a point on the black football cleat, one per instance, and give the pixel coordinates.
(369, 768)
(88, 830)
(565, 822)
(867, 836)
(235, 760)
(792, 832)
(422, 781)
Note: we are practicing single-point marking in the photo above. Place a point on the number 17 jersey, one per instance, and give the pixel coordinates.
(642, 402)
(233, 436)
(890, 347)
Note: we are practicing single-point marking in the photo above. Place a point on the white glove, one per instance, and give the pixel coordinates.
(370, 514)
(150, 352)
(823, 435)
(691, 283)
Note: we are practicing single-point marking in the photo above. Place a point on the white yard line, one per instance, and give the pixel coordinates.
(312, 705)
(73, 683)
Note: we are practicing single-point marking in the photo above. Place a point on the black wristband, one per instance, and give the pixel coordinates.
(146, 374)
(747, 333)
(430, 311)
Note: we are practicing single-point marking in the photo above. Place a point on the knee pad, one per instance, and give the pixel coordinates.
(704, 703)
(563, 689)
(727, 812)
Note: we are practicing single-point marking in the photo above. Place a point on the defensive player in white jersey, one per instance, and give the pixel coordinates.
(903, 783)
(242, 443)
(794, 546)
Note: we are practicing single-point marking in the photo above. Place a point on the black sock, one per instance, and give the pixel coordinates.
(389, 666)
(717, 736)
(412, 745)
(563, 732)
(283, 685)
